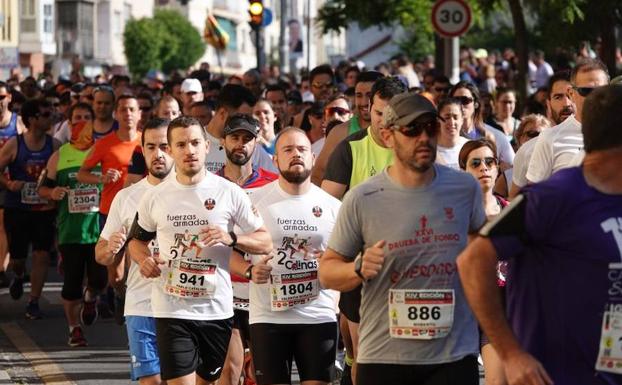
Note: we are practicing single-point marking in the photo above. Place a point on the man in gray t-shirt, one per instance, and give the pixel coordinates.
(409, 223)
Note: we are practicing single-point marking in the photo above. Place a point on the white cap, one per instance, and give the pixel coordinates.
(191, 85)
(307, 97)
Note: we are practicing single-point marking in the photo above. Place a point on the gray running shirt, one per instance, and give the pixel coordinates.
(425, 229)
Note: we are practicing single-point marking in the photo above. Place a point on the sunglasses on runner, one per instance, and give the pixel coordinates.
(488, 161)
(337, 110)
(532, 134)
(465, 100)
(584, 91)
(415, 129)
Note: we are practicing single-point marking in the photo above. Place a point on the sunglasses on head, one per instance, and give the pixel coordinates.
(584, 91)
(416, 128)
(532, 134)
(488, 161)
(465, 100)
(337, 110)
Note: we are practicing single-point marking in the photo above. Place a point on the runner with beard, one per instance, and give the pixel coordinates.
(416, 326)
(240, 141)
(141, 332)
(291, 316)
(191, 295)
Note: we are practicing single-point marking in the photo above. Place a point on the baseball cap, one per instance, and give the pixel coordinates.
(241, 122)
(404, 108)
(191, 85)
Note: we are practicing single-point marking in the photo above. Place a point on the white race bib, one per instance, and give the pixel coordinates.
(30, 196)
(191, 279)
(293, 288)
(83, 200)
(421, 314)
(610, 351)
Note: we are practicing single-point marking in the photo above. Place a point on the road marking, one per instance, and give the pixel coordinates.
(49, 372)
(50, 287)
(4, 376)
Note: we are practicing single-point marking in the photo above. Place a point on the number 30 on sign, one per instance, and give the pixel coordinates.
(451, 18)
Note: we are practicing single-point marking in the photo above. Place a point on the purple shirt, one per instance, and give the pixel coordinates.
(560, 243)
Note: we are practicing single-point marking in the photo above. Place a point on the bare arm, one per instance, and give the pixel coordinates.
(332, 140)
(7, 155)
(257, 242)
(111, 251)
(335, 189)
(514, 190)
(86, 176)
(57, 192)
(337, 273)
(477, 268)
(237, 264)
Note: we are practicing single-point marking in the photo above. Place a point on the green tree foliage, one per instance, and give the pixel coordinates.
(165, 42)
(142, 40)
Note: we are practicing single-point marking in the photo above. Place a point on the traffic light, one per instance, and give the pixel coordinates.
(255, 10)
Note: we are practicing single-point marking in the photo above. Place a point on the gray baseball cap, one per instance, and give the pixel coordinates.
(404, 108)
(241, 122)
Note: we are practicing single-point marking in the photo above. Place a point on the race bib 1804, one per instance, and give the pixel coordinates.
(191, 279)
(291, 289)
(421, 314)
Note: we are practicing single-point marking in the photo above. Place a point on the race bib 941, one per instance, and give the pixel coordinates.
(191, 279)
(421, 314)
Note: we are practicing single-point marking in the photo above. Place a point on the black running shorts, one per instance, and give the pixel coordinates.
(188, 346)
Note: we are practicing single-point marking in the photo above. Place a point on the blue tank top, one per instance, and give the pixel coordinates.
(27, 167)
(8, 131)
(113, 128)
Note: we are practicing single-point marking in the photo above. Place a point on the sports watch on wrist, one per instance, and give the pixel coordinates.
(248, 274)
(358, 265)
(234, 239)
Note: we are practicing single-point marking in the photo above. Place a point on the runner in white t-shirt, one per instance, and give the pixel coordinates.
(291, 315)
(192, 216)
(141, 332)
(557, 148)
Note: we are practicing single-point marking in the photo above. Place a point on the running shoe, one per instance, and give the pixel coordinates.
(76, 338)
(17, 288)
(33, 311)
(88, 313)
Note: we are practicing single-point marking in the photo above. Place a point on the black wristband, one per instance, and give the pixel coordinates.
(139, 233)
(47, 182)
(234, 239)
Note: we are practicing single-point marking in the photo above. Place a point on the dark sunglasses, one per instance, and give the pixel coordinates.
(584, 91)
(337, 110)
(488, 161)
(532, 134)
(415, 129)
(465, 100)
(2, 97)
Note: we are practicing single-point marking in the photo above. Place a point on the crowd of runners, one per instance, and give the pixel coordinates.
(373, 225)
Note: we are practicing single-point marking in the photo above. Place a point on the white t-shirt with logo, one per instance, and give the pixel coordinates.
(122, 213)
(195, 282)
(300, 226)
(216, 156)
(555, 149)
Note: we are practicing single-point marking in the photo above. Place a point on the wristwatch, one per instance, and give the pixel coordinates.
(248, 274)
(358, 265)
(234, 239)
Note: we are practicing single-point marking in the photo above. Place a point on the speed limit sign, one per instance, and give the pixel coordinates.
(451, 18)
